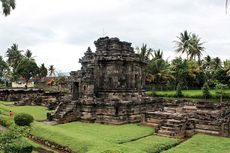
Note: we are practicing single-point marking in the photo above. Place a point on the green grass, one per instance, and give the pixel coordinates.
(188, 93)
(93, 138)
(153, 144)
(38, 112)
(128, 138)
(201, 143)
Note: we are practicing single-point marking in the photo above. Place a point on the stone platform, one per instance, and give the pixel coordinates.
(185, 119)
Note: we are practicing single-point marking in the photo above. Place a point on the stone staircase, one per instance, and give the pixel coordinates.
(172, 128)
(167, 122)
(63, 110)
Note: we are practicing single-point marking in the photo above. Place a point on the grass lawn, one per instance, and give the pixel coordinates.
(201, 143)
(187, 93)
(96, 138)
(128, 138)
(38, 112)
(91, 138)
(152, 144)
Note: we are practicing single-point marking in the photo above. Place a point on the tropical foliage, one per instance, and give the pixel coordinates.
(193, 71)
(20, 65)
(7, 6)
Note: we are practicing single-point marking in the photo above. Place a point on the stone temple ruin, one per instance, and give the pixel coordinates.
(109, 89)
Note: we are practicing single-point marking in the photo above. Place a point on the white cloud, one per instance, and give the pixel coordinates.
(59, 31)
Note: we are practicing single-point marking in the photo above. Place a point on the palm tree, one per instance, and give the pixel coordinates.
(51, 70)
(195, 47)
(7, 6)
(183, 44)
(144, 52)
(227, 67)
(216, 63)
(14, 56)
(190, 44)
(157, 54)
(28, 55)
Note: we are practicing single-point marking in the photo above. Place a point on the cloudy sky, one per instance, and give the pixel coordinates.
(58, 32)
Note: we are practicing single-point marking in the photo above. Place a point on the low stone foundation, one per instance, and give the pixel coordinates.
(183, 119)
(114, 112)
(30, 97)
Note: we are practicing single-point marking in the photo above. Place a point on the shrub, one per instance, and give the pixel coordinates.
(205, 91)
(18, 147)
(5, 122)
(11, 140)
(23, 119)
(178, 91)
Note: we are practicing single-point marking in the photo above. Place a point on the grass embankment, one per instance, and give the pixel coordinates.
(95, 138)
(201, 143)
(38, 112)
(188, 94)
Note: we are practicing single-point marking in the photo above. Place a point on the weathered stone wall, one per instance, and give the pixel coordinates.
(30, 97)
(186, 118)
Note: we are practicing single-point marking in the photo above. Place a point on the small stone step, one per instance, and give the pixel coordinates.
(165, 132)
(173, 121)
(207, 131)
(167, 128)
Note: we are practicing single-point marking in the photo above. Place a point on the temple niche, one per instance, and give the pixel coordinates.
(109, 86)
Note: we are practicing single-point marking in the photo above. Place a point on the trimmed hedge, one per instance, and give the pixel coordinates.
(23, 119)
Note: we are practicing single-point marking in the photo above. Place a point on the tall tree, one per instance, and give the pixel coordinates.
(14, 56)
(182, 45)
(195, 47)
(158, 70)
(189, 44)
(43, 71)
(157, 54)
(51, 70)
(3, 67)
(144, 52)
(27, 69)
(28, 55)
(7, 6)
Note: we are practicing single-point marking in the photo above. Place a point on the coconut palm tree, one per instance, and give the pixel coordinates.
(216, 63)
(28, 55)
(51, 70)
(7, 6)
(195, 47)
(144, 52)
(182, 45)
(14, 56)
(157, 54)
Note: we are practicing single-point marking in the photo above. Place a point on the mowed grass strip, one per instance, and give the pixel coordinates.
(38, 112)
(201, 143)
(188, 93)
(88, 137)
(153, 144)
(110, 133)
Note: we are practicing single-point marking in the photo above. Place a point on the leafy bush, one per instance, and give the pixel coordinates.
(205, 91)
(178, 91)
(5, 122)
(11, 141)
(18, 147)
(23, 119)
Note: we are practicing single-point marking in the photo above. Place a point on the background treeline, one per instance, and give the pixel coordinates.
(191, 72)
(20, 64)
